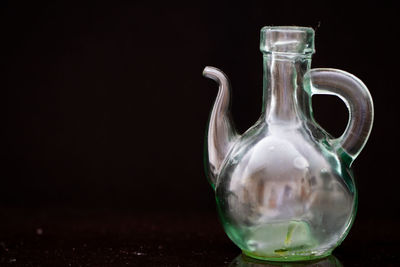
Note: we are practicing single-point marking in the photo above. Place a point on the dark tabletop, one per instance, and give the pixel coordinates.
(71, 237)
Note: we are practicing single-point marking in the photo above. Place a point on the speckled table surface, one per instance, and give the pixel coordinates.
(67, 237)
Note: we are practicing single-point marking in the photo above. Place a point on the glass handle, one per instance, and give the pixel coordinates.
(358, 100)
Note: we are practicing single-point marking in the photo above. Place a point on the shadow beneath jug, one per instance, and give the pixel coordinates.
(244, 261)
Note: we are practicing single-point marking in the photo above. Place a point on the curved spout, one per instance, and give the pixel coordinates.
(221, 133)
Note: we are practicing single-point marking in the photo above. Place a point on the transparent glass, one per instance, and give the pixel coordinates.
(243, 261)
(284, 188)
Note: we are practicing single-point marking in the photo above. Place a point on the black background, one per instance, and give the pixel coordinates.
(106, 107)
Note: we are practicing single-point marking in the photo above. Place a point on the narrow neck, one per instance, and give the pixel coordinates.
(284, 96)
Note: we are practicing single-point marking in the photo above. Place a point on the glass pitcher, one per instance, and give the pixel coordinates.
(284, 188)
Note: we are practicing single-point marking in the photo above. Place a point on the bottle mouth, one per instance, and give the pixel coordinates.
(287, 39)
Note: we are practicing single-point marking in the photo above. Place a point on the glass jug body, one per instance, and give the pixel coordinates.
(284, 188)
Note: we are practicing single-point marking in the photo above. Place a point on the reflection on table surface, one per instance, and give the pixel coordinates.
(244, 261)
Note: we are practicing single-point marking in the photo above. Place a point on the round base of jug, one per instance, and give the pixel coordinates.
(287, 257)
